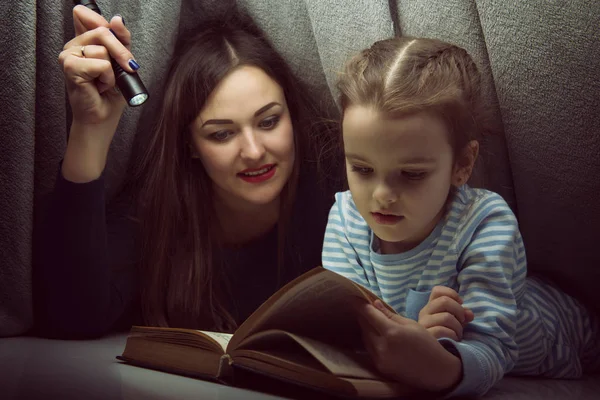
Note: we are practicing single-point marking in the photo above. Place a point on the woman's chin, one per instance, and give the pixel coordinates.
(259, 200)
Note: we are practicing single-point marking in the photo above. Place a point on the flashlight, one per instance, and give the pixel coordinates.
(130, 84)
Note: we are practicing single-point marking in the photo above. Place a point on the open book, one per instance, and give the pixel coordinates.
(306, 333)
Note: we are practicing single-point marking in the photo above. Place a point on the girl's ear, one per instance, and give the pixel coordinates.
(465, 161)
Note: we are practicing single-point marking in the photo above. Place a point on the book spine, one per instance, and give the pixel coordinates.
(225, 370)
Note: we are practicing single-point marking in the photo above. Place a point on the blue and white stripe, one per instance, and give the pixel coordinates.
(522, 325)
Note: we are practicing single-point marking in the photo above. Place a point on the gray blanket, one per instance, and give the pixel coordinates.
(541, 64)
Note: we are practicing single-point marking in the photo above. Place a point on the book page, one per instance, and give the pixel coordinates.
(339, 362)
(320, 305)
(213, 341)
(221, 338)
(317, 355)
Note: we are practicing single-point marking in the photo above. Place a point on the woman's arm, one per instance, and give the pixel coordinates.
(83, 279)
(84, 264)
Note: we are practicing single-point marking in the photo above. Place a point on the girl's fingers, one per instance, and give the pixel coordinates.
(445, 320)
(444, 291)
(379, 321)
(446, 304)
(469, 315)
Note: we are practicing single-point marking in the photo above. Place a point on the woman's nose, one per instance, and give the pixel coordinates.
(252, 146)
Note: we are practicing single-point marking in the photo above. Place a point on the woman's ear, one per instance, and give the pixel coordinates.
(193, 151)
(464, 163)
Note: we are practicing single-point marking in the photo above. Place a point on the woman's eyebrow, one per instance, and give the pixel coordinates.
(228, 121)
(265, 108)
(217, 122)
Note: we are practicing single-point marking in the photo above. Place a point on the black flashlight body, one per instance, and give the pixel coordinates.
(130, 84)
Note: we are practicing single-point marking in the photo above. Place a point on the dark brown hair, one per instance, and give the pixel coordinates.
(405, 75)
(180, 280)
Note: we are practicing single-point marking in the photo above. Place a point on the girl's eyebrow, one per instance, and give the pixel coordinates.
(411, 160)
(355, 156)
(228, 121)
(418, 160)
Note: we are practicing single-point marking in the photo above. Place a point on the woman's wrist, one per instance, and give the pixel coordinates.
(87, 152)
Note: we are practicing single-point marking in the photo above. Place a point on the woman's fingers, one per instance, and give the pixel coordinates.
(85, 20)
(117, 24)
(95, 51)
(104, 37)
(79, 71)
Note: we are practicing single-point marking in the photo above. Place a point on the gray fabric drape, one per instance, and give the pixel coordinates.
(541, 67)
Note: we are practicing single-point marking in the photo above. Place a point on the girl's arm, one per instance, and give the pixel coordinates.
(492, 272)
(341, 248)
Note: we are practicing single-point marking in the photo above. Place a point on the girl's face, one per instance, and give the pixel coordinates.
(399, 172)
(244, 138)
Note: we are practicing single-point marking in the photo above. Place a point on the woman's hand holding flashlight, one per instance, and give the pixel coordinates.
(96, 104)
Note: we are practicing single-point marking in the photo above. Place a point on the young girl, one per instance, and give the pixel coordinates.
(223, 203)
(451, 257)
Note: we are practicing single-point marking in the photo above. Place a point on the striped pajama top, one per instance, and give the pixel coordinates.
(522, 325)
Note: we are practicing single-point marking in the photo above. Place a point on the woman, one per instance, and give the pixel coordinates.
(222, 205)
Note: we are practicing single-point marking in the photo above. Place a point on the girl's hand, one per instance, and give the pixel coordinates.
(405, 351)
(444, 315)
(89, 77)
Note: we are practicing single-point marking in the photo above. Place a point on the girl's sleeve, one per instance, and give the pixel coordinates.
(344, 238)
(492, 272)
(84, 262)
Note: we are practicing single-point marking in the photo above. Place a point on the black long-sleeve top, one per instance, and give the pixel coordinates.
(86, 253)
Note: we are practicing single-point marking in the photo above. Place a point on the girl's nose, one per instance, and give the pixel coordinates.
(384, 194)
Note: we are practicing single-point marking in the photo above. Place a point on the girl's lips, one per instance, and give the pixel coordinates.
(386, 219)
(258, 175)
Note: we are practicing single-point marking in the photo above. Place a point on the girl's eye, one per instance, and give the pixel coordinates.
(414, 176)
(221, 136)
(362, 170)
(269, 123)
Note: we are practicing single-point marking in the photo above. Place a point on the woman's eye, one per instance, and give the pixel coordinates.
(269, 123)
(362, 170)
(414, 176)
(221, 136)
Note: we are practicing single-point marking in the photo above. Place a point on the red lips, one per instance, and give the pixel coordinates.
(258, 175)
(249, 170)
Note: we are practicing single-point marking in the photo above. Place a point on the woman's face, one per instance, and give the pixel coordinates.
(244, 138)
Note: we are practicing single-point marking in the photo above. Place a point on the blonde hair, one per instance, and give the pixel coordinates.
(403, 76)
